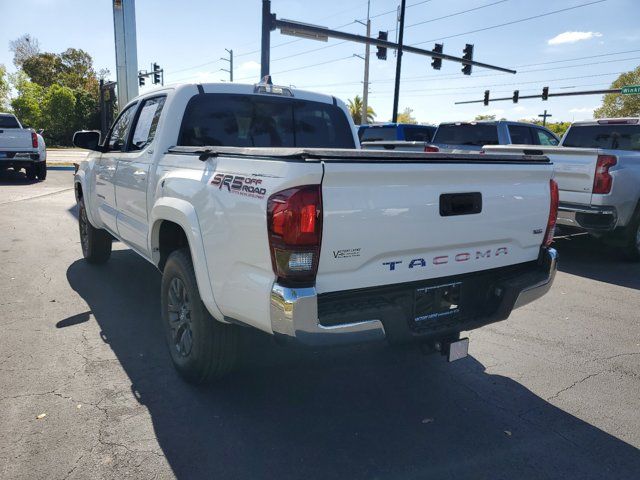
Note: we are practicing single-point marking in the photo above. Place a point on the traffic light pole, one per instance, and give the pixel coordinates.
(562, 94)
(270, 22)
(396, 90)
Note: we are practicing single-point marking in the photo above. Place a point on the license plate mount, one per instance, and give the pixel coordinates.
(437, 303)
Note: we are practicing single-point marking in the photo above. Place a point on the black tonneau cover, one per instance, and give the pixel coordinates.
(353, 155)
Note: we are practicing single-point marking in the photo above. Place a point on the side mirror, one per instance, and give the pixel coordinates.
(40, 131)
(87, 139)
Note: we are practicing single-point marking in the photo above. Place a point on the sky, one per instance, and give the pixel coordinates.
(570, 45)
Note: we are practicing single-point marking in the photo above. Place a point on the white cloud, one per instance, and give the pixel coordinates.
(248, 68)
(572, 37)
(583, 110)
(519, 108)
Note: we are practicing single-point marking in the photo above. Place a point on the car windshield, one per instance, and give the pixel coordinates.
(376, 134)
(616, 137)
(237, 120)
(8, 121)
(477, 134)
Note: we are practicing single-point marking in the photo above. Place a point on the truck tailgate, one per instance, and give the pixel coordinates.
(387, 223)
(15, 139)
(574, 168)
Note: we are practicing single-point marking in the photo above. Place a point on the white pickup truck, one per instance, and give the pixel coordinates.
(259, 210)
(22, 148)
(597, 167)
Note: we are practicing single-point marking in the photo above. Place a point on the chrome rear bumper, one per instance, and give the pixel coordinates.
(294, 311)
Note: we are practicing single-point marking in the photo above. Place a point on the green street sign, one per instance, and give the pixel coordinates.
(631, 90)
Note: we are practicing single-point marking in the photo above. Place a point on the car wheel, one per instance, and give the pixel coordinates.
(41, 171)
(632, 248)
(31, 172)
(201, 348)
(17, 169)
(95, 242)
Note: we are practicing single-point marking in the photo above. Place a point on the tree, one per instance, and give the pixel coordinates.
(616, 105)
(23, 48)
(355, 109)
(43, 68)
(59, 114)
(4, 89)
(480, 118)
(406, 116)
(27, 105)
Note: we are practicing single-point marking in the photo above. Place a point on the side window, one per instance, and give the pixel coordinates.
(545, 138)
(147, 122)
(520, 135)
(118, 134)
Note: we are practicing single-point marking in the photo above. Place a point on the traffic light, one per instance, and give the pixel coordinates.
(436, 63)
(467, 54)
(382, 51)
(486, 97)
(140, 81)
(545, 93)
(156, 73)
(516, 96)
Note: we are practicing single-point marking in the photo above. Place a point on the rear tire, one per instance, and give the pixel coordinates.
(41, 171)
(31, 172)
(201, 348)
(16, 169)
(632, 239)
(95, 242)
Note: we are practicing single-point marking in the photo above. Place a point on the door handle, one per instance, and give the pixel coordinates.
(140, 173)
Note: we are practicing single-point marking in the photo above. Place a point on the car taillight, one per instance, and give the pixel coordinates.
(431, 149)
(553, 212)
(294, 223)
(602, 181)
(34, 139)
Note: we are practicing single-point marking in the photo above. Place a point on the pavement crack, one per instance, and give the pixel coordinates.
(574, 384)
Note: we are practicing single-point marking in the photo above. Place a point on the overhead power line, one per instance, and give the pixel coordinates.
(303, 67)
(513, 22)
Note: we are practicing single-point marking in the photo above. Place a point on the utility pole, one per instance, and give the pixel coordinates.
(544, 117)
(396, 92)
(124, 27)
(230, 60)
(267, 21)
(365, 89)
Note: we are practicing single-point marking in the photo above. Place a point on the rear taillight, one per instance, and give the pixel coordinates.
(431, 149)
(34, 139)
(602, 181)
(553, 212)
(294, 223)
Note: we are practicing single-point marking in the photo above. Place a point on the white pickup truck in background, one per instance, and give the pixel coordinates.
(597, 167)
(259, 210)
(22, 147)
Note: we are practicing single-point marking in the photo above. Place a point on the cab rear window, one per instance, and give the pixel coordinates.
(8, 121)
(616, 137)
(376, 134)
(238, 120)
(467, 134)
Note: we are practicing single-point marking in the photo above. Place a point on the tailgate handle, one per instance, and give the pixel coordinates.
(452, 204)
(389, 147)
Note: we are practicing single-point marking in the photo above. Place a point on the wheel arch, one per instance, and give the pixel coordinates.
(174, 221)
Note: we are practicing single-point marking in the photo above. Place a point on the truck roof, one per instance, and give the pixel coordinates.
(244, 88)
(609, 121)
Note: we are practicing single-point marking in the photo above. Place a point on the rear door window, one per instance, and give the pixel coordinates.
(467, 134)
(147, 123)
(521, 135)
(616, 137)
(544, 138)
(238, 120)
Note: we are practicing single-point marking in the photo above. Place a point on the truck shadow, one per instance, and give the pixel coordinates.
(587, 257)
(368, 412)
(11, 177)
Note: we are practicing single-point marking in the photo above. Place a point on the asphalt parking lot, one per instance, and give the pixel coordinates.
(553, 392)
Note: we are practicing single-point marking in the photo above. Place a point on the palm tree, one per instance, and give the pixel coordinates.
(355, 109)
